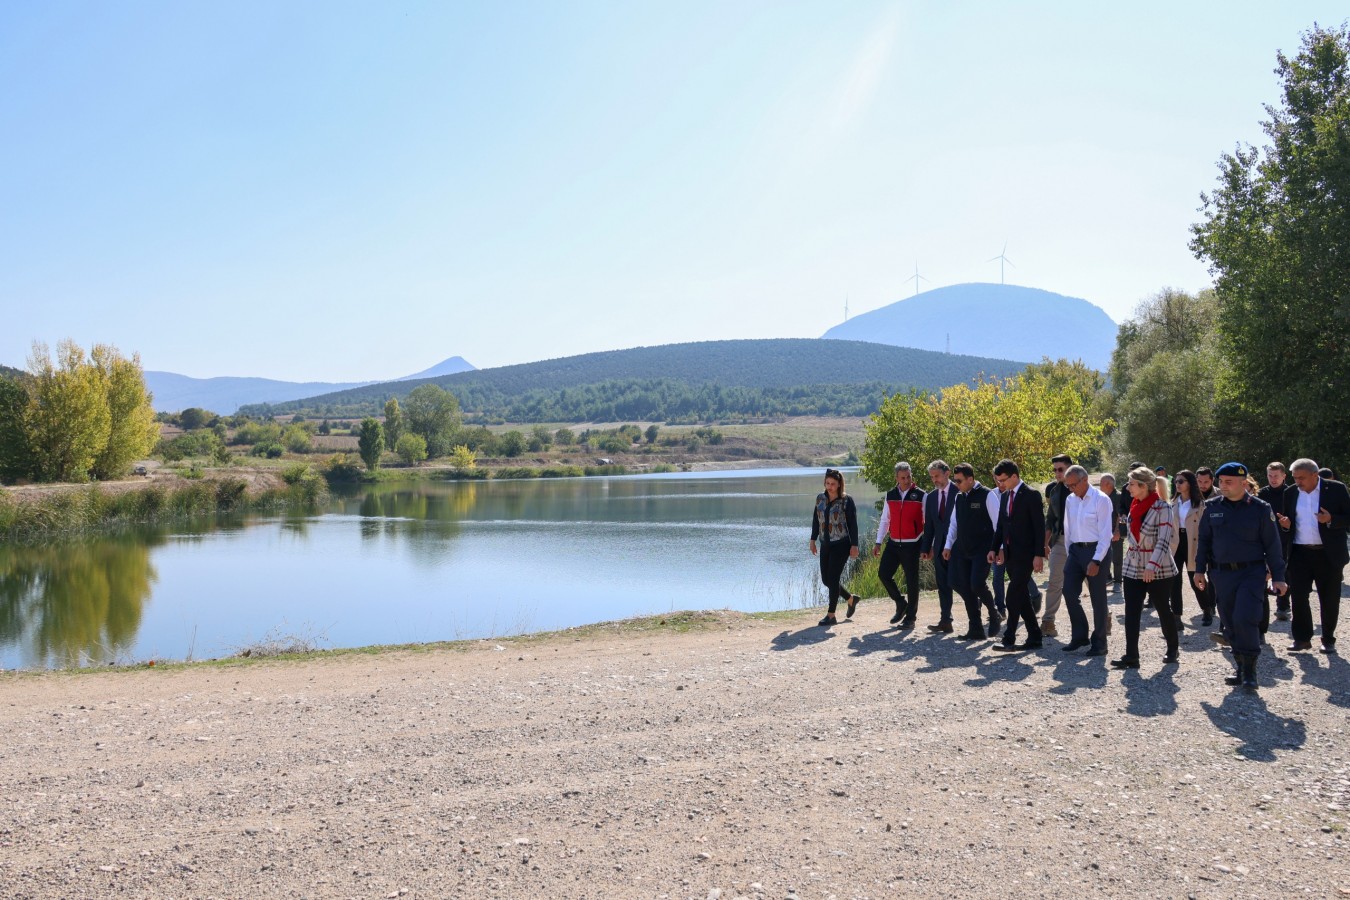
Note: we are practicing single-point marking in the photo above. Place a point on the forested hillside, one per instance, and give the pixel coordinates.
(680, 383)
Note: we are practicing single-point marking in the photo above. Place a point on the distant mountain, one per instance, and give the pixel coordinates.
(999, 320)
(7, 372)
(173, 392)
(451, 366)
(681, 381)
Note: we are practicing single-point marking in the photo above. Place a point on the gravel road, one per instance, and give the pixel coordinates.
(745, 757)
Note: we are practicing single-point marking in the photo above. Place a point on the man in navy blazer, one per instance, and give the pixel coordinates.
(937, 516)
(1019, 544)
(1313, 521)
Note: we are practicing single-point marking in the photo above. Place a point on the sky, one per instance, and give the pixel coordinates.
(355, 191)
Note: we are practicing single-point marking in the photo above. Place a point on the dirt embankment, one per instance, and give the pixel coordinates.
(748, 757)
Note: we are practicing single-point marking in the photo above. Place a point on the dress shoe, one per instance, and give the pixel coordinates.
(852, 606)
(941, 628)
(1125, 662)
(1233, 680)
(1030, 645)
(899, 614)
(1208, 619)
(1282, 613)
(1329, 649)
(1172, 658)
(1007, 648)
(1218, 638)
(1048, 628)
(1096, 651)
(974, 634)
(828, 621)
(1296, 646)
(906, 625)
(995, 625)
(1075, 645)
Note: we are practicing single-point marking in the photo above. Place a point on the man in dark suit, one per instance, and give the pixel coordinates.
(937, 517)
(1273, 493)
(1019, 544)
(1313, 524)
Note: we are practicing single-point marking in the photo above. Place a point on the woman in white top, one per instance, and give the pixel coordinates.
(1187, 504)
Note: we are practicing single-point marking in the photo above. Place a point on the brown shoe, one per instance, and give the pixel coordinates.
(1048, 628)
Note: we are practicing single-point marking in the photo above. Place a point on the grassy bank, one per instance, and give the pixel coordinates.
(93, 507)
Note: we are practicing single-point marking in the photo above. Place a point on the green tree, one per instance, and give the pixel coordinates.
(1025, 419)
(68, 420)
(194, 417)
(463, 458)
(512, 443)
(296, 439)
(433, 412)
(652, 432)
(371, 443)
(133, 430)
(16, 456)
(411, 448)
(393, 422)
(564, 437)
(540, 436)
(1274, 234)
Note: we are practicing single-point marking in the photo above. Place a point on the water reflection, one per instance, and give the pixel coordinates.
(72, 604)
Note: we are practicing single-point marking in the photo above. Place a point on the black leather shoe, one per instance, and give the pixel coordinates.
(1296, 646)
(995, 625)
(906, 625)
(852, 606)
(1329, 649)
(1208, 619)
(1282, 614)
(941, 628)
(1171, 659)
(1075, 645)
(1007, 648)
(1096, 651)
(899, 614)
(1125, 662)
(827, 621)
(1233, 680)
(1030, 645)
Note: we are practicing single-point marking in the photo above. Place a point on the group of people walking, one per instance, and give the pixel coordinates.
(1239, 542)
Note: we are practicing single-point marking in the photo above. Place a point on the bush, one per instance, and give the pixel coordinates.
(412, 449)
(512, 443)
(268, 449)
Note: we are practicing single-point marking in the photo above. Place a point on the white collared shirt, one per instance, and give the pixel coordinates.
(1089, 519)
(1184, 510)
(1305, 523)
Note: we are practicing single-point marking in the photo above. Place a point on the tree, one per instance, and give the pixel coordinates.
(67, 420)
(1024, 419)
(433, 412)
(652, 432)
(564, 437)
(371, 443)
(133, 431)
(463, 458)
(194, 417)
(411, 449)
(393, 422)
(296, 439)
(16, 456)
(1274, 235)
(512, 443)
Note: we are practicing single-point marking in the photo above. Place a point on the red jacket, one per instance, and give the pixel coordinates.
(902, 517)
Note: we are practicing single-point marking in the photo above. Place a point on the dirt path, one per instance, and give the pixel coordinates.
(752, 758)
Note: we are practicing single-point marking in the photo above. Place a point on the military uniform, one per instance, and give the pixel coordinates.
(1238, 542)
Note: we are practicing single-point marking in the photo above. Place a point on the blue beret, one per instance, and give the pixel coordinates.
(1232, 468)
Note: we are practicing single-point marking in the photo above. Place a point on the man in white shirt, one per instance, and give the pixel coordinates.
(1089, 521)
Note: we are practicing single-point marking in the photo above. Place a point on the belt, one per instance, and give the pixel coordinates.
(1233, 567)
(1309, 546)
(1083, 544)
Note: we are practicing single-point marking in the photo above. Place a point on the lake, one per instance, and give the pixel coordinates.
(414, 562)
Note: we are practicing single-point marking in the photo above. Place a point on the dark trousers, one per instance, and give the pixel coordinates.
(970, 578)
(1204, 598)
(833, 558)
(1019, 602)
(998, 572)
(1117, 559)
(1308, 567)
(901, 556)
(944, 584)
(1136, 589)
(1075, 573)
(1242, 595)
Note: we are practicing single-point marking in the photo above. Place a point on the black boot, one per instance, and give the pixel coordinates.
(1236, 678)
(1249, 674)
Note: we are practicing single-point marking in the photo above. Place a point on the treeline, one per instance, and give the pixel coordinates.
(680, 383)
(74, 417)
(654, 399)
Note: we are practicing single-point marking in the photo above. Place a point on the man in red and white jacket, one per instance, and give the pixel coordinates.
(900, 529)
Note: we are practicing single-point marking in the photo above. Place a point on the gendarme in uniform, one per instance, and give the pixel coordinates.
(1238, 542)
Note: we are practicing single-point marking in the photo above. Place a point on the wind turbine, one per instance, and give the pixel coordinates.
(1001, 259)
(916, 278)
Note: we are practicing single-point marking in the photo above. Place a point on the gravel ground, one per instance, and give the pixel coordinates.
(744, 758)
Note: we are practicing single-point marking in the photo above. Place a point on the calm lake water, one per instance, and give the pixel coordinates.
(419, 562)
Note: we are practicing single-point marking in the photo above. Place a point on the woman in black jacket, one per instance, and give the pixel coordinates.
(835, 523)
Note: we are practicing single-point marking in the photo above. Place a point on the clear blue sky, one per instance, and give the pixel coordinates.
(358, 190)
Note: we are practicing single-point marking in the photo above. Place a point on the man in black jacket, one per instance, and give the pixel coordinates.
(1273, 493)
(1019, 544)
(967, 549)
(937, 516)
(1056, 494)
(1313, 523)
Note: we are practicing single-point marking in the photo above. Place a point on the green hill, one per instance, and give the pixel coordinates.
(679, 382)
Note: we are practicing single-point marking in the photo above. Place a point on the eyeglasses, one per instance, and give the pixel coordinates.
(1060, 470)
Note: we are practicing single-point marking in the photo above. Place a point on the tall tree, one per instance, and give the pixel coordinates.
(1274, 235)
(16, 456)
(393, 422)
(68, 420)
(133, 430)
(371, 443)
(433, 412)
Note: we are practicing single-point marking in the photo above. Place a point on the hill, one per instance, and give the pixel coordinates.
(7, 372)
(173, 392)
(681, 382)
(999, 320)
